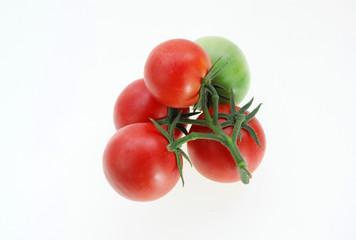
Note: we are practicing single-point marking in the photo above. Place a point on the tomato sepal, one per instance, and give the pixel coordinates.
(169, 135)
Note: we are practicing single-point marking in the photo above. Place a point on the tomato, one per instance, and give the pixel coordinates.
(214, 161)
(136, 104)
(137, 163)
(174, 71)
(236, 74)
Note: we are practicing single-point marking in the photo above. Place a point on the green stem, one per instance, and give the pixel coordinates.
(226, 140)
(240, 162)
(205, 109)
(215, 98)
(193, 121)
(193, 136)
(212, 122)
(237, 126)
(231, 145)
(166, 121)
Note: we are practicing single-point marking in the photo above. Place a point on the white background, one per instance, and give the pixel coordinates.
(63, 63)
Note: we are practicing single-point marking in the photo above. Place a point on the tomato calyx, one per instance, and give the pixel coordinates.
(172, 115)
(207, 83)
(235, 117)
(211, 74)
(169, 135)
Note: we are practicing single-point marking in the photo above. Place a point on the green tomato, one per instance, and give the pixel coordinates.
(236, 74)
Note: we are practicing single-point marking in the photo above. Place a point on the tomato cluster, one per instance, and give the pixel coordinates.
(143, 160)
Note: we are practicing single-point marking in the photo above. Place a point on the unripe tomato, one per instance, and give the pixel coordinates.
(236, 74)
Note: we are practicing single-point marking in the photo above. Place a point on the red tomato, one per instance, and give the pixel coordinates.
(137, 163)
(214, 161)
(136, 104)
(174, 71)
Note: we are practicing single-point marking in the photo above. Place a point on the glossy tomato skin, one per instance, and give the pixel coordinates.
(236, 74)
(137, 163)
(214, 161)
(135, 104)
(174, 71)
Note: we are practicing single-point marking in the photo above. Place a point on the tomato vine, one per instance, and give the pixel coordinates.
(180, 87)
(237, 119)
